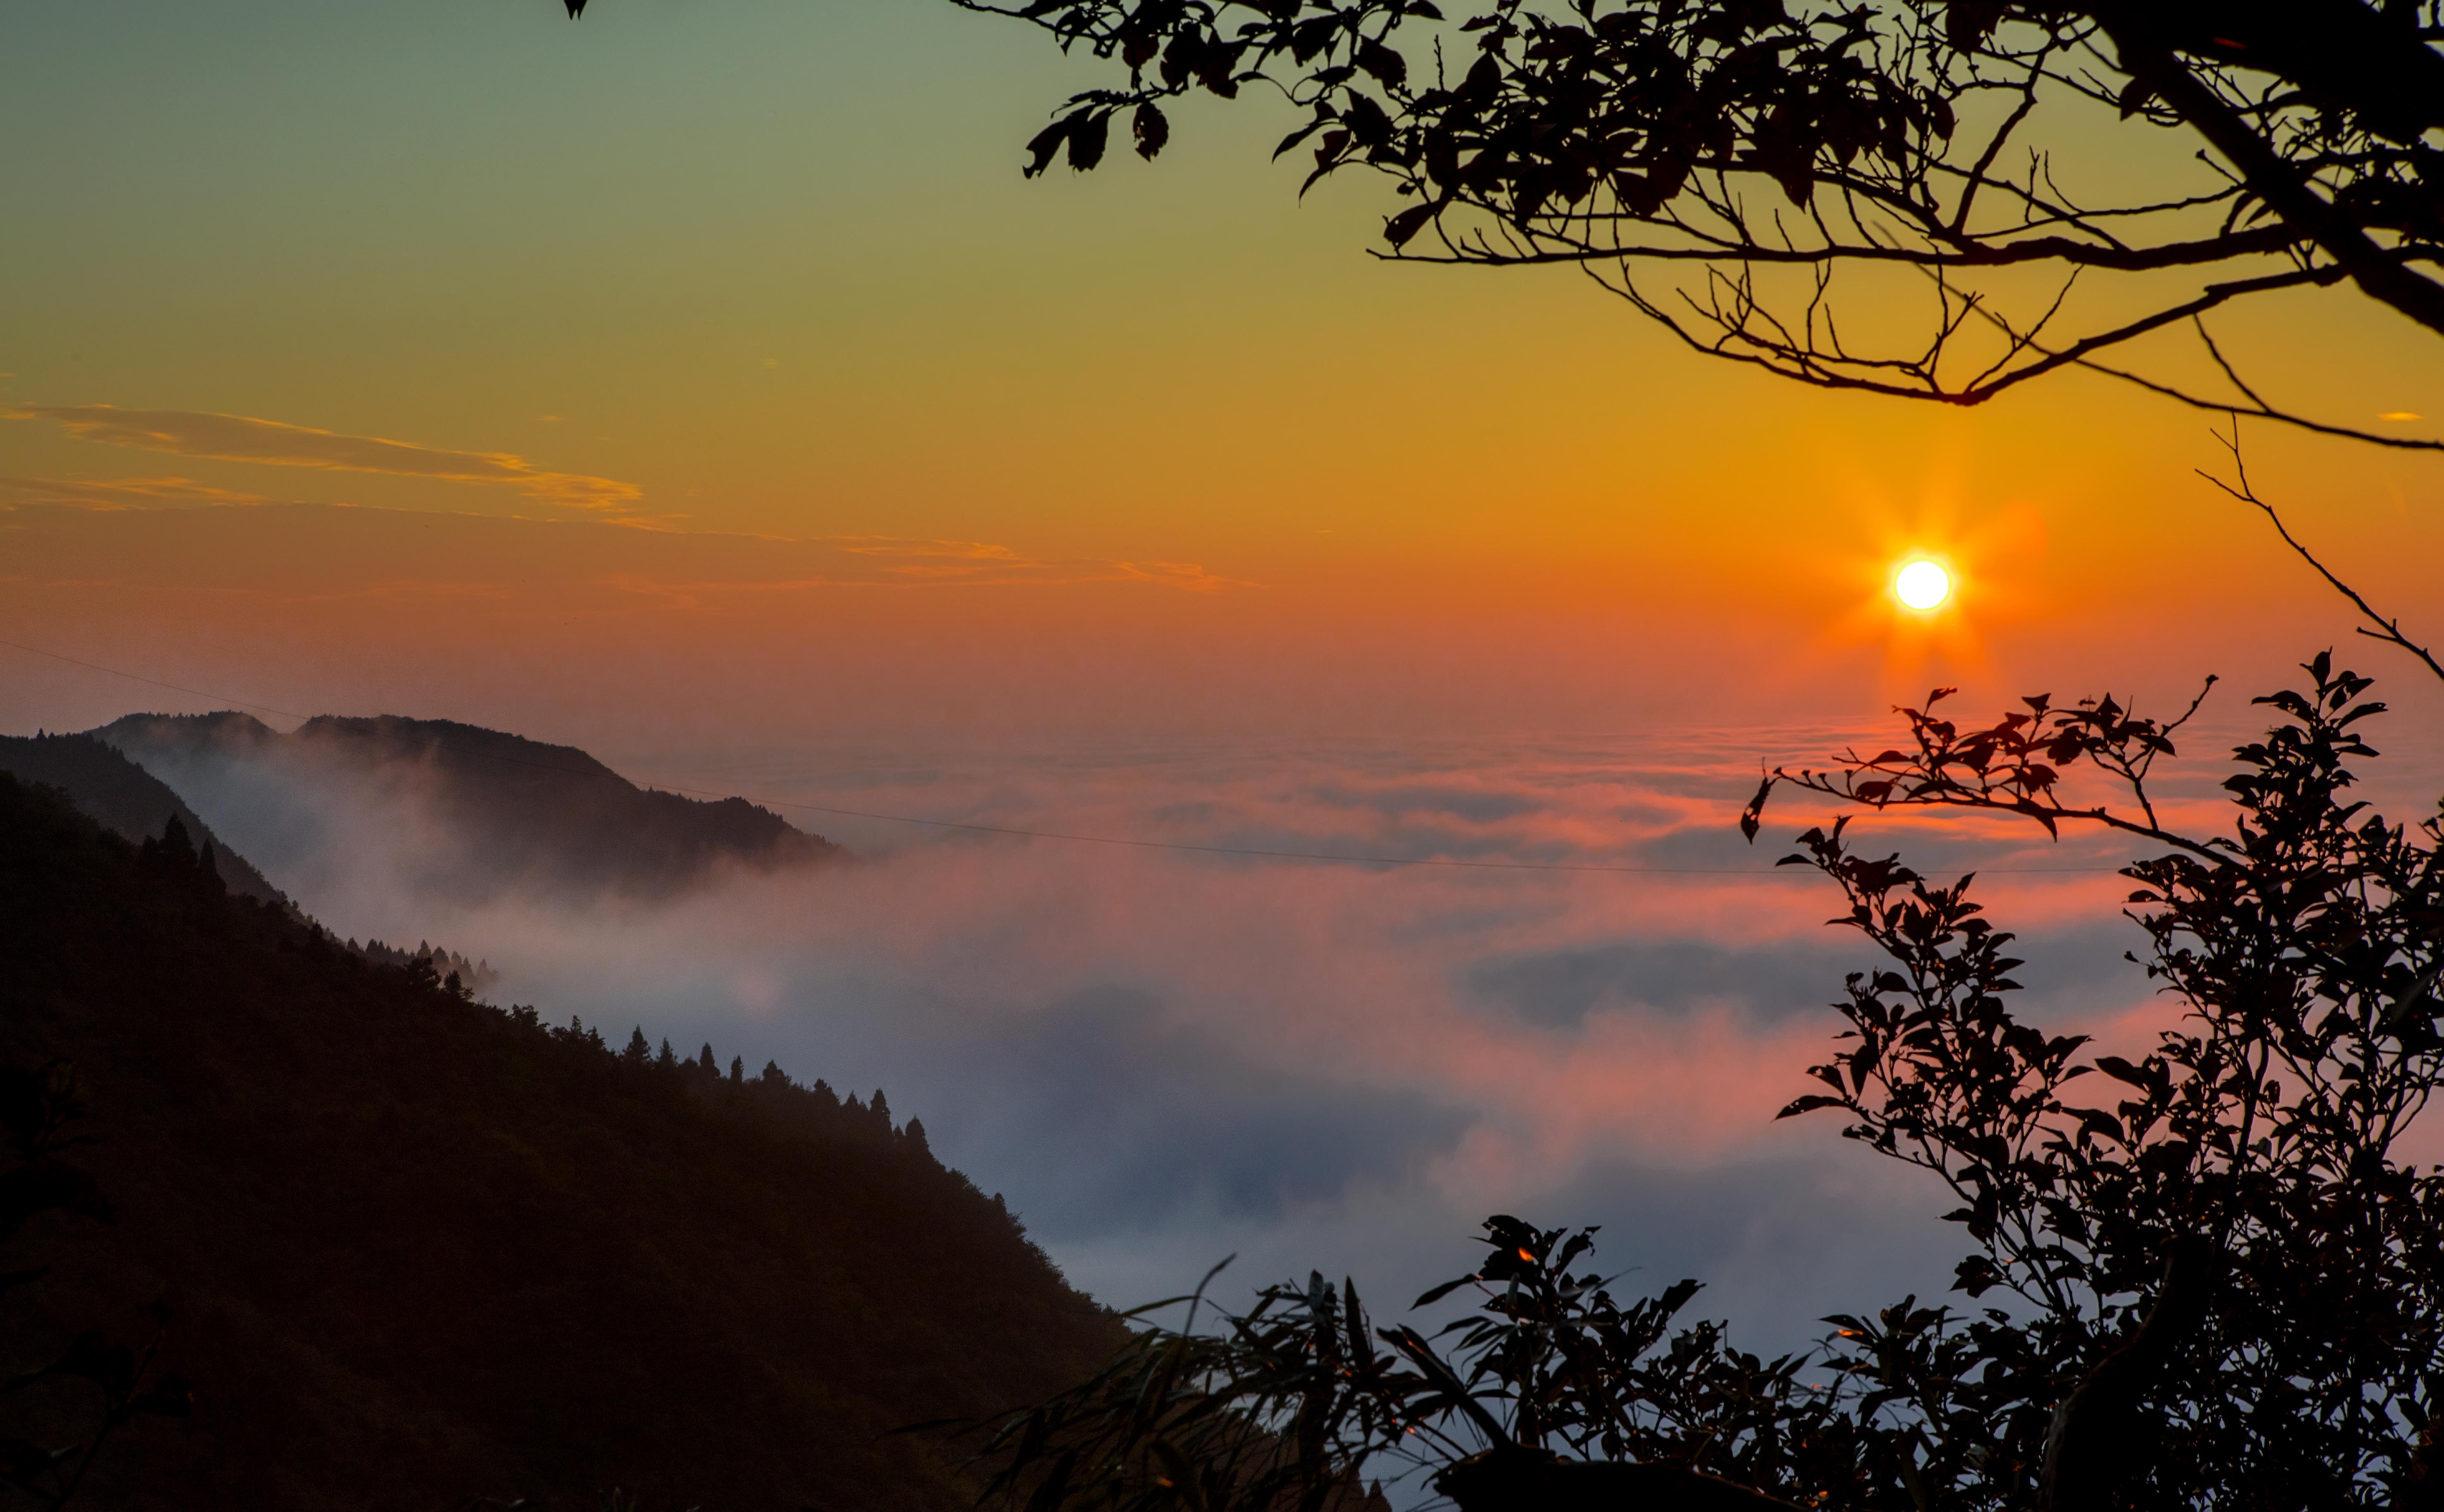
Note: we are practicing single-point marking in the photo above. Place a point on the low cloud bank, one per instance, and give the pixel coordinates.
(1161, 1057)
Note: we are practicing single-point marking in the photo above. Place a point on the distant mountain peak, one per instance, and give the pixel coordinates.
(450, 740)
(223, 726)
(122, 797)
(520, 814)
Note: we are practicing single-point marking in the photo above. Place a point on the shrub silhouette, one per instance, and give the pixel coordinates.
(2203, 1277)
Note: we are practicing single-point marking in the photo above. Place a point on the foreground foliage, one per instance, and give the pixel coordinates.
(2204, 1278)
(1718, 163)
(65, 1397)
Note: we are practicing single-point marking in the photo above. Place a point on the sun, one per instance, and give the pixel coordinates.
(1922, 584)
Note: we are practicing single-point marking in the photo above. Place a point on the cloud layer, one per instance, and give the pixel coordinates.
(1163, 1057)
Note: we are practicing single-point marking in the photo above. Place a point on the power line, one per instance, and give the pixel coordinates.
(176, 687)
(1254, 852)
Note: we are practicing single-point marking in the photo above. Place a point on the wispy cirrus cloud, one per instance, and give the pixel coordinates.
(276, 443)
(118, 493)
(916, 562)
(143, 532)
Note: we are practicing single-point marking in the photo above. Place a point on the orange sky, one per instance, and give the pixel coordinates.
(717, 369)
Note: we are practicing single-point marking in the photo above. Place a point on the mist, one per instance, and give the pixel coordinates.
(1161, 1057)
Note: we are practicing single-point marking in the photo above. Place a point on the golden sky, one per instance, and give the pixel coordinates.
(714, 365)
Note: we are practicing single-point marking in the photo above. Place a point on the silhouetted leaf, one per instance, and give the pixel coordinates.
(1088, 132)
(1150, 129)
(1400, 228)
(1047, 142)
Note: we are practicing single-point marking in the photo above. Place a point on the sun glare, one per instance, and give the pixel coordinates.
(1923, 584)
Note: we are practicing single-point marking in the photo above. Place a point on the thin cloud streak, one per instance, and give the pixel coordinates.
(276, 443)
(796, 564)
(916, 563)
(111, 494)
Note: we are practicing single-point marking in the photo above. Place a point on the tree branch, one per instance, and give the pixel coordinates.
(2099, 1440)
(2379, 275)
(2387, 630)
(1517, 1480)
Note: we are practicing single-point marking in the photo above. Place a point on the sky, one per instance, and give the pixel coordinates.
(703, 385)
(1158, 446)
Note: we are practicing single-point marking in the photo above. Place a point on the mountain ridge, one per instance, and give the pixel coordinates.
(125, 799)
(416, 1249)
(524, 813)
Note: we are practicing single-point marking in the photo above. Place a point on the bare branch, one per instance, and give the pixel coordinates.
(1638, 138)
(2387, 630)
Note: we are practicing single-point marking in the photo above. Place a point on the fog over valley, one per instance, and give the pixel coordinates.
(1161, 1057)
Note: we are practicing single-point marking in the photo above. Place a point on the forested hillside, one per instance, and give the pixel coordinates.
(128, 800)
(416, 1249)
(507, 813)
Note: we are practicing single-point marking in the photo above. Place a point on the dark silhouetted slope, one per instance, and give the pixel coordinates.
(520, 812)
(124, 797)
(416, 1247)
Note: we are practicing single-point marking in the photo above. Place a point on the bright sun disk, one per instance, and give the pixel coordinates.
(1923, 584)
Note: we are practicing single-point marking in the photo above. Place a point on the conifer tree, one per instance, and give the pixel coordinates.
(638, 1052)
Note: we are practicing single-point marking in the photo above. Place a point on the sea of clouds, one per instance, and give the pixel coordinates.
(1162, 1056)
